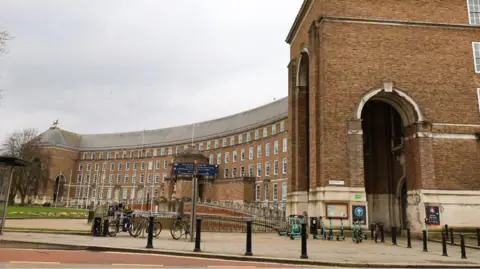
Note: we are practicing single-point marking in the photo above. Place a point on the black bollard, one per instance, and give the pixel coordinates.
(105, 227)
(394, 235)
(409, 239)
(444, 244)
(197, 234)
(462, 247)
(248, 251)
(446, 232)
(150, 232)
(372, 228)
(425, 249)
(478, 237)
(452, 238)
(382, 235)
(304, 241)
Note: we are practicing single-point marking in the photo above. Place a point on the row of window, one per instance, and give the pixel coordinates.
(99, 193)
(266, 188)
(169, 150)
(258, 172)
(128, 165)
(119, 179)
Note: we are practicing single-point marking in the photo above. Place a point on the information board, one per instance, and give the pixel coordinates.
(337, 210)
(433, 215)
(359, 212)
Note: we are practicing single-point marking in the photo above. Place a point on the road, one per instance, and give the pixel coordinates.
(33, 258)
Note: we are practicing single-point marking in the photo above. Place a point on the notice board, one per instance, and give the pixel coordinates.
(337, 210)
(432, 214)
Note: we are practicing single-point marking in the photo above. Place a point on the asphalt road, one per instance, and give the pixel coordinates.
(33, 258)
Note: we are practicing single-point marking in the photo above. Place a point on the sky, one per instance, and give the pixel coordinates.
(118, 66)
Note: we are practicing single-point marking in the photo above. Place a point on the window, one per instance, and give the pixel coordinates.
(242, 155)
(257, 134)
(259, 169)
(162, 152)
(210, 159)
(165, 164)
(164, 177)
(274, 129)
(157, 178)
(275, 147)
(84, 156)
(234, 172)
(259, 151)
(116, 155)
(112, 167)
(93, 156)
(149, 178)
(124, 193)
(119, 167)
(275, 167)
(127, 166)
(234, 156)
(177, 149)
(79, 179)
(200, 146)
(89, 167)
(257, 192)
(219, 158)
(131, 154)
(109, 155)
(216, 144)
(285, 166)
(150, 165)
(80, 167)
(227, 157)
(147, 154)
(139, 154)
(104, 166)
(474, 11)
(109, 193)
(103, 179)
(248, 137)
(142, 178)
(170, 151)
(225, 174)
(134, 179)
(142, 166)
(119, 178)
(265, 132)
(232, 140)
(100, 195)
(154, 152)
(155, 193)
(250, 153)
(282, 126)
(242, 171)
(267, 169)
(267, 191)
(476, 56)
(100, 156)
(240, 139)
(209, 145)
(224, 142)
(134, 166)
(110, 179)
(125, 180)
(185, 147)
(124, 155)
(284, 191)
(267, 149)
(275, 192)
(284, 146)
(250, 170)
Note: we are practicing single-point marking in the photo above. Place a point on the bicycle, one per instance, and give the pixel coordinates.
(180, 226)
(141, 223)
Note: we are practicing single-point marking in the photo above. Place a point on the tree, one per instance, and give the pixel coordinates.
(4, 37)
(26, 180)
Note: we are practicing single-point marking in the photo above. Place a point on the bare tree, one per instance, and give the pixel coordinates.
(4, 37)
(27, 180)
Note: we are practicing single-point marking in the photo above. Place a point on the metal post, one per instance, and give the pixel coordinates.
(409, 239)
(150, 232)
(394, 235)
(372, 227)
(7, 196)
(425, 249)
(105, 227)
(446, 232)
(194, 205)
(462, 247)
(304, 241)
(248, 251)
(382, 235)
(444, 243)
(197, 235)
(452, 238)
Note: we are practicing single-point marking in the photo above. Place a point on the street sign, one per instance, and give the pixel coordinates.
(207, 170)
(183, 168)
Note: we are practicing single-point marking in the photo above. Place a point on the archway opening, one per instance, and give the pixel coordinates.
(58, 188)
(383, 136)
(303, 131)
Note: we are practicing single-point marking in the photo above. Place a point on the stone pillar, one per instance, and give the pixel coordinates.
(355, 153)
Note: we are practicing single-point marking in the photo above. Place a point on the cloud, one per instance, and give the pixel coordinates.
(111, 66)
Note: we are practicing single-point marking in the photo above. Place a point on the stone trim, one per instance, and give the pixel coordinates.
(441, 136)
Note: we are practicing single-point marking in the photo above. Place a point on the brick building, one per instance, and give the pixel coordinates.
(384, 110)
(250, 149)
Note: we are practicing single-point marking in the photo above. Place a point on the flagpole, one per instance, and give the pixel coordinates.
(145, 174)
(68, 192)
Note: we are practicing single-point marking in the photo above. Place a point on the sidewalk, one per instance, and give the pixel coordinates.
(343, 253)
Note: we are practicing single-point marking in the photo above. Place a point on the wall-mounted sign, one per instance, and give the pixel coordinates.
(336, 182)
(432, 214)
(337, 210)
(358, 196)
(359, 212)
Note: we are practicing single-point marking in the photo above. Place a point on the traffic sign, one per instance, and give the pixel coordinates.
(183, 168)
(207, 170)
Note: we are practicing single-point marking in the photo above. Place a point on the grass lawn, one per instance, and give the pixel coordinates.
(23, 211)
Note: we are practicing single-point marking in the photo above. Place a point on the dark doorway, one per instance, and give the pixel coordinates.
(303, 107)
(383, 147)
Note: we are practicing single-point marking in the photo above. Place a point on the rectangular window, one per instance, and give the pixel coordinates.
(142, 166)
(84, 156)
(110, 179)
(234, 156)
(104, 166)
(250, 153)
(177, 149)
(80, 167)
(267, 149)
(165, 164)
(112, 167)
(234, 172)
(240, 139)
(225, 174)
(170, 151)
(248, 137)
(200, 146)
(284, 191)
(87, 180)
(154, 152)
(116, 155)
(209, 145)
(93, 156)
(224, 142)
(210, 159)
(157, 165)
(89, 167)
(219, 158)
(147, 154)
(124, 155)
(103, 179)
(257, 192)
(285, 166)
(242, 171)
(259, 151)
(242, 155)
(267, 191)
(257, 134)
(120, 167)
(139, 154)
(131, 154)
(275, 147)
(474, 11)
(142, 178)
(275, 167)
(282, 126)
(79, 179)
(157, 178)
(150, 165)
(109, 155)
(259, 169)
(149, 178)
(134, 179)
(134, 166)
(284, 146)
(227, 157)
(232, 140)
(127, 166)
(275, 192)
(119, 178)
(96, 167)
(265, 132)
(101, 156)
(124, 193)
(95, 178)
(164, 177)
(186, 147)
(476, 56)
(267, 169)
(162, 152)
(125, 180)
(250, 170)
(216, 144)
(274, 129)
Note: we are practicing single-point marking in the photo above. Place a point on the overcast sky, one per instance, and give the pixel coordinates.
(114, 65)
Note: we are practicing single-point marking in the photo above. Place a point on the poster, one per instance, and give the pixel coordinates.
(433, 215)
(337, 210)
(359, 212)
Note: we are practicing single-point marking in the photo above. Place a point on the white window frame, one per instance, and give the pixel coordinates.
(200, 146)
(249, 137)
(282, 126)
(250, 153)
(240, 138)
(266, 189)
(227, 157)
(275, 192)
(284, 166)
(224, 142)
(257, 192)
(274, 129)
(209, 145)
(259, 151)
(476, 56)
(284, 144)
(267, 169)
(225, 173)
(216, 144)
(250, 170)
(234, 156)
(473, 19)
(219, 158)
(234, 172)
(265, 132)
(275, 167)
(284, 191)
(259, 169)
(257, 134)
(232, 140)
(210, 159)
(242, 155)
(275, 147)
(267, 149)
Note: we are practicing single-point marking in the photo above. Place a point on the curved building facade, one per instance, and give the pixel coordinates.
(250, 149)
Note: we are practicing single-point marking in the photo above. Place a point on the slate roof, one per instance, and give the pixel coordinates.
(206, 130)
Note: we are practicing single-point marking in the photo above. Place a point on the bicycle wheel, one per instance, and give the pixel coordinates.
(176, 230)
(112, 228)
(157, 228)
(133, 226)
(138, 230)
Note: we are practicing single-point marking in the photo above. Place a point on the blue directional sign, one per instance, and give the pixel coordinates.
(207, 170)
(183, 168)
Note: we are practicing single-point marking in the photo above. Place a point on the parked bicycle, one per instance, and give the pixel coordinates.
(140, 224)
(180, 227)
